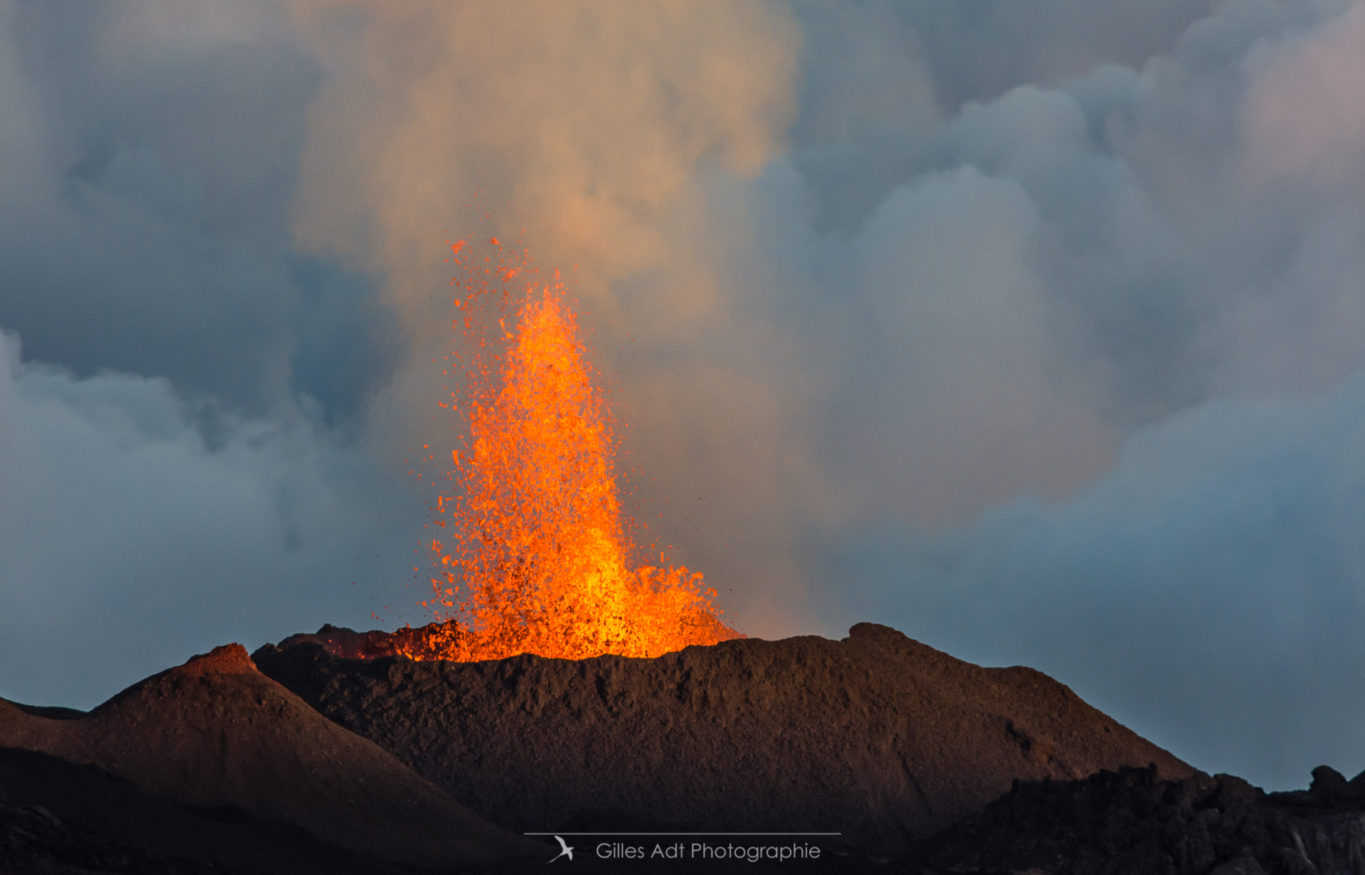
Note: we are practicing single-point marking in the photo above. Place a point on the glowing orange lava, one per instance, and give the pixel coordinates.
(537, 556)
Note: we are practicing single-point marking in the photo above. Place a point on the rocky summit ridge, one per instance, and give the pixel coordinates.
(876, 736)
(330, 753)
(216, 733)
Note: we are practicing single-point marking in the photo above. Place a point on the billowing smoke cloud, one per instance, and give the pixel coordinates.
(130, 543)
(149, 165)
(904, 68)
(1130, 299)
(583, 124)
(603, 136)
(195, 470)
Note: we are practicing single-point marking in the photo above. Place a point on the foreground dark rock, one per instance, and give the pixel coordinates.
(876, 736)
(60, 817)
(216, 732)
(1133, 823)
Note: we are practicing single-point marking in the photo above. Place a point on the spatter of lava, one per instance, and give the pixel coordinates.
(536, 555)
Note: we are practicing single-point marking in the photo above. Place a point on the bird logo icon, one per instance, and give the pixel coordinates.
(565, 850)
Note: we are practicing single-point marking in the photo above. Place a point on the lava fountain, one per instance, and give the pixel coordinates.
(536, 553)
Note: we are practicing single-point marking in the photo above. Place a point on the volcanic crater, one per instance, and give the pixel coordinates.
(877, 736)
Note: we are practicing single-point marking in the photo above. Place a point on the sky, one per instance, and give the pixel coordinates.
(1036, 331)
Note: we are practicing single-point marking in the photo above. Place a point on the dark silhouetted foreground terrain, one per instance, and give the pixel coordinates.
(59, 817)
(1132, 823)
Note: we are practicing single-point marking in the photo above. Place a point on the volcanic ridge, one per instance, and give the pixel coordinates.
(215, 733)
(875, 736)
(328, 752)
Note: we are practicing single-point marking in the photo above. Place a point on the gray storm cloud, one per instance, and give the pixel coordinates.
(120, 524)
(1037, 332)
(141, 172)
(184, 461)
(1061, 265)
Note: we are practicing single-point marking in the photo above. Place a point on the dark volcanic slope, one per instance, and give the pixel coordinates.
(877, 736)
(59, 817)
(1131, 823)
(215, 732)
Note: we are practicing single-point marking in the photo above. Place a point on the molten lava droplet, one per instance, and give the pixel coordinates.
(539, 556)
